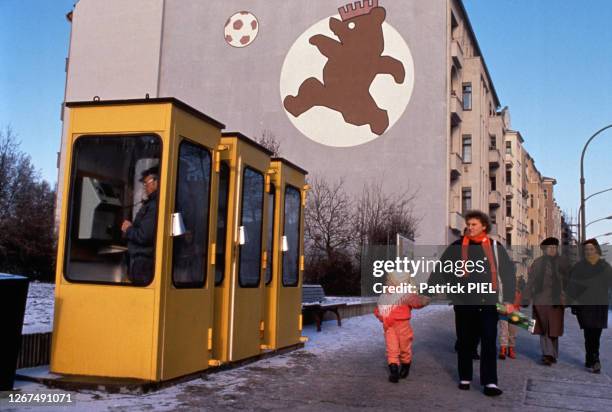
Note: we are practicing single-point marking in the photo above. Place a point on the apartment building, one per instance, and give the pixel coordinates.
(442, 132)
(536, 209)
(552, 211)
(477, 130)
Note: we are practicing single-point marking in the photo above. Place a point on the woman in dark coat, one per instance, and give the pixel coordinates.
(590, 280)
(547, 277)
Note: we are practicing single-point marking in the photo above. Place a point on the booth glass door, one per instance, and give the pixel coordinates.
(246, 310)
(289, 298)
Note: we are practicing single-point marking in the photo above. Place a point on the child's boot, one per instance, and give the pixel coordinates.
(511, 353)
(404, 370)
(393, 373)
(502, 352)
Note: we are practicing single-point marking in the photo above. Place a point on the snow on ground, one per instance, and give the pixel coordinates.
(322, 345)
(39, 308)
(350, 300)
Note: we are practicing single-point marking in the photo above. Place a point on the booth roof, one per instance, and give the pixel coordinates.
(178, 103)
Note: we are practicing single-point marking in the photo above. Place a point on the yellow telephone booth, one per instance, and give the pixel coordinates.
(283, 279)
(240, 255)
(134, 284)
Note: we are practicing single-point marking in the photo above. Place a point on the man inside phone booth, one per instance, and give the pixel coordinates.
(140, 233)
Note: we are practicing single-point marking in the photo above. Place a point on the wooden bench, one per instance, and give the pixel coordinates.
(315, 302)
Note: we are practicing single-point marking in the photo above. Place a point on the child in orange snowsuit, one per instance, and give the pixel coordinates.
(394, 311)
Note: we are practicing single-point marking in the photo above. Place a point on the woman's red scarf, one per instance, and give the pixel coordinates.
(485, 242)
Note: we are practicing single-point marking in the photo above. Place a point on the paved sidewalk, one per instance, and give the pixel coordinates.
(343, 369)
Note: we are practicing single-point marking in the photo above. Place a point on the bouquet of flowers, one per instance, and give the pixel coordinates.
(516, 318)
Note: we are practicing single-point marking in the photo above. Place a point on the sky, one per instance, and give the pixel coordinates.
(551, 64)
(550, 61)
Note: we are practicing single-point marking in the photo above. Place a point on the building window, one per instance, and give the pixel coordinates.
(467, 96)
(531, 226)
(466, 199)
(492, 142)
(291, 229)
(508, 238)
(531, 199)
(508, 207)
(466, 152)
(508, 147)
(189, 252)
(107, 188)
(493, 217)
(493, 181)
(251, 221)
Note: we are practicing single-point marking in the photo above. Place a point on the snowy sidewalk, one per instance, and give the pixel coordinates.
(344, 369)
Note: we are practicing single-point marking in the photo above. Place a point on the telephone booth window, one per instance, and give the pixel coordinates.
(190, 249)
(112, 223)
(251, 222)
(270, 240)
(224, 175)
(291, 250)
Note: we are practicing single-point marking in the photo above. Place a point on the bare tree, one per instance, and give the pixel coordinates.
(328, 217)
(27, 240)
(379, 216)
(269, 141)
(337, 226)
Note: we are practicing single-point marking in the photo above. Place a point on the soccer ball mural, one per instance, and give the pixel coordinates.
(241, 29)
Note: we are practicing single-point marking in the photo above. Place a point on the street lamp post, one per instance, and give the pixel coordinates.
(599, 220)
(603, 235)
(582, 199)
(592, 195)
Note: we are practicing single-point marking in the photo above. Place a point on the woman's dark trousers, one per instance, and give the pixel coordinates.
(592, 337)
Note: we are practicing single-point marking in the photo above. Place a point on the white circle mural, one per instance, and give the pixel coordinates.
(241, 29)
(348, 78)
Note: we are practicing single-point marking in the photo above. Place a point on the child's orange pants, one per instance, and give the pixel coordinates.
(398, 338)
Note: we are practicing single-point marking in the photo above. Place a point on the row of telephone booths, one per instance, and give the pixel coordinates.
(180, 247)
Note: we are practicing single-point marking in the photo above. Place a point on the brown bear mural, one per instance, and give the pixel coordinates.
(353, 63)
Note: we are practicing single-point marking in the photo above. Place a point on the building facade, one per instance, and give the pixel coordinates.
(416, 111)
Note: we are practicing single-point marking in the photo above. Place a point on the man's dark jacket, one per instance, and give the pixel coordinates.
(141, 242)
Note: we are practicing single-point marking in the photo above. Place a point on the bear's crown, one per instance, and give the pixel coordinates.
(359, 8)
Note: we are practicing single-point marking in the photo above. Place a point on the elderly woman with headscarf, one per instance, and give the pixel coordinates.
(589, 282)
(545, 286)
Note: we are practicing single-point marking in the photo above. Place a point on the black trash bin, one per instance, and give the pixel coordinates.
(13, 296)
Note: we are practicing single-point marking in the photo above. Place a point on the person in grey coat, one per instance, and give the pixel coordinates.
(140, 234)
(589, 282)
(545, 289)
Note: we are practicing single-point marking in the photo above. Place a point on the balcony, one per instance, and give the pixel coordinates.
(509, 191)
(494, 158)
(456, 109)
(495, 198)
(457, 54)
(509, 223)
(455, 166)
(509, 159)
(456, 222)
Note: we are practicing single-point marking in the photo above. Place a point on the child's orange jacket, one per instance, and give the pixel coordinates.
(399, 310)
